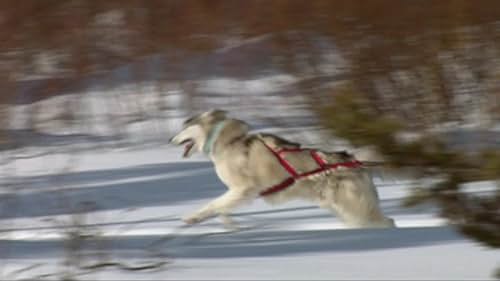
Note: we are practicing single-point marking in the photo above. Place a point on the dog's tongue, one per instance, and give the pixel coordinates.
(187, 148)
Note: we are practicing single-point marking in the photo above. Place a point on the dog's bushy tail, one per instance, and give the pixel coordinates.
(373, 163)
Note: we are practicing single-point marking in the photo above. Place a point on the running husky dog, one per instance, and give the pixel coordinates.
(277, 170)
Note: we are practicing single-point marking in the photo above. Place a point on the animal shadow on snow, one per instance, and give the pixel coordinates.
(256, 243)
(123, 188)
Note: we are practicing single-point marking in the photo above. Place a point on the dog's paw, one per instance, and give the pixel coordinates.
(191, 220)
(229, 223)
(232, 227)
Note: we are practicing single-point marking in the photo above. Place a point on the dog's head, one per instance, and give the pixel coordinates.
(196, 130)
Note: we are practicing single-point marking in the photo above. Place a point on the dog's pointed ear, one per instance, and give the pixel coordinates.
(218, 114)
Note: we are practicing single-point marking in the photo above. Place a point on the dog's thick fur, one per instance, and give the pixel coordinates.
(247, 167)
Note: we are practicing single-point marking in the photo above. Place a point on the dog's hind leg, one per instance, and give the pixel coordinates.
(222, 205)
(355, 202)
(355, 218)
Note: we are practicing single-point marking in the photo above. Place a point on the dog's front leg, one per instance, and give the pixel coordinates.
(222, 205)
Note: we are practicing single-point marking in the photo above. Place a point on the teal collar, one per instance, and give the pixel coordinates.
(212, 137)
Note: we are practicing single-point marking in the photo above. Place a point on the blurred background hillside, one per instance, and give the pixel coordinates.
(425, 63)
(437, 61)
(416, 81)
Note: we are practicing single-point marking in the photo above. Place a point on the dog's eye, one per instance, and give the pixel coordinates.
(189, 121)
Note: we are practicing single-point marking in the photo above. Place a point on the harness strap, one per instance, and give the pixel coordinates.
(333, 166)
(279, 187)
(321, 162)
(288, 167)
(295, 149)
(323, 166)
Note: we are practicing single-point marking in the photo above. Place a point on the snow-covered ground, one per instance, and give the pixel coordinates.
(137, 197)
(126, 202)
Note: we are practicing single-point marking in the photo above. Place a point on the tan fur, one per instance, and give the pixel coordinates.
(247, 167)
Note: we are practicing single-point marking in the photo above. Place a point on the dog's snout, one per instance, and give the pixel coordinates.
(170, 139)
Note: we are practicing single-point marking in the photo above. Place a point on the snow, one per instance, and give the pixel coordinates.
(140, 196)
(129, 201)
(268, 84)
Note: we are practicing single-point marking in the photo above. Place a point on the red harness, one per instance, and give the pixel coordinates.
(294, 175)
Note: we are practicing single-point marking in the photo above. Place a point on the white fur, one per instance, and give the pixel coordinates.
(194, 132)
(347, 192)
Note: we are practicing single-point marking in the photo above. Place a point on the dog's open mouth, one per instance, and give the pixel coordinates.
(188, 145)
